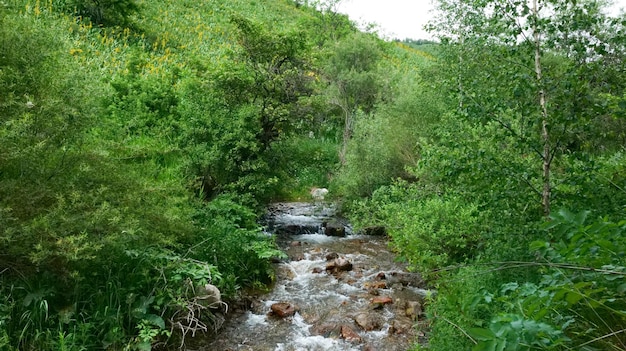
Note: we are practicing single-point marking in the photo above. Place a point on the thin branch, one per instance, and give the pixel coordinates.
(601, 337)
(520, 264)
(459, 328)
(612, 183)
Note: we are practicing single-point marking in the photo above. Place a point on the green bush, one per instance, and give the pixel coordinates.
(101, 12)
(304, 163)
(427, 230)
(578, 302)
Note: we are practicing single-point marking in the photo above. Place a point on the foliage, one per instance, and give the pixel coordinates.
(388, 143)
(105, 229)
(310, 162)
(577, 303)
(101, 12)
(484, 159)
(429, 231)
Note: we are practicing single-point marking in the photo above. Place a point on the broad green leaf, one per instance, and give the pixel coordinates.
(155, 320)
(481, 334)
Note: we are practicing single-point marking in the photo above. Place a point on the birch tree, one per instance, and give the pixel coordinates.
(526, 65)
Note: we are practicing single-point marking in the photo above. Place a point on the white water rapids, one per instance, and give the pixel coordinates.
(328, 303)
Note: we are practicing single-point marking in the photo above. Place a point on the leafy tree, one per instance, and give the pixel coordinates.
(255, 100)
(352, 71)
(524, 48)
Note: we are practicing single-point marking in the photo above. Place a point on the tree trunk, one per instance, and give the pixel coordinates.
(545, 136)
(347, 134)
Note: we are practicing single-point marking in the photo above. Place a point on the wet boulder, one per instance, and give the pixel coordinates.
(339, 265)
(380, 301)
(401, 325)
(349, 334)
(331, 256)
(286, 271)
(334, 229)
(368, 321)
(405, 279)
(376, 285)
(326, 330)
(283, 309)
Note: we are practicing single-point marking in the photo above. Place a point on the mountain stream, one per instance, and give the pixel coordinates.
(336, 291)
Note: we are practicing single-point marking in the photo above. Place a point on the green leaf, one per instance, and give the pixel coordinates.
(481, 334)
(155, 320)
(573, 298)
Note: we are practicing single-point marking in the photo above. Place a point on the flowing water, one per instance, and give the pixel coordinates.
(336, 309)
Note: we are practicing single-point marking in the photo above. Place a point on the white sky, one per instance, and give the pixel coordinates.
(403, 18)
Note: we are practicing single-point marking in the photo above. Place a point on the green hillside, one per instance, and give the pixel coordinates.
(142, 139)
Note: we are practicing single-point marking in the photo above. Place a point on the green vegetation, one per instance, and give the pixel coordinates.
(508, 189)
(142, 140)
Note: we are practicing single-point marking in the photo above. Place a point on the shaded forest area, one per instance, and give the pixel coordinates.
(141, 141)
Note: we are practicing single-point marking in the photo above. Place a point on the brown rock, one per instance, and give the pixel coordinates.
(339, 265)
(401, 326)
(317, 270)
(349, 334)
(326, 330)
(405, 278)
(380, 301)
(413, 309)
(334, 229)
(343, 264)
(368, 321)
(376, 285)
(283, 309)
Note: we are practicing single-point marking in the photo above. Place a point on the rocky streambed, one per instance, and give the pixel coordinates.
(336, 291)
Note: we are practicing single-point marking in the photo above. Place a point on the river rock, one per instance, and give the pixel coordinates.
(401, 325)
(283, 309)
(317, 270)
(375, 285)
(326, 330)
(413, 309)
(405, 279)
(209, 296)
(339, 265)
(349, 334)
(373, 291)
(380, 301)
(368, 321)
(286, 271)
(334, 229)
